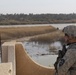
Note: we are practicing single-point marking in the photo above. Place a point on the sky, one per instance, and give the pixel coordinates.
(37, 6)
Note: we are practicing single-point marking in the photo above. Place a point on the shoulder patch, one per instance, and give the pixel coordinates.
(62, 61)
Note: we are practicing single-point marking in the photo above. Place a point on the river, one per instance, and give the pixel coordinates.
(41, 53)
(60, 26)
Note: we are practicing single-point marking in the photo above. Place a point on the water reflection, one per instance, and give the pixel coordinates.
(46, 60)
(44, 54)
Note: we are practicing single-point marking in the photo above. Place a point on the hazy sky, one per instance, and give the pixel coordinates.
(37, 6)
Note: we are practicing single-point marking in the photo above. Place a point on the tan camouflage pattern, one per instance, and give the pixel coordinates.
(70, 61)
(70, 30)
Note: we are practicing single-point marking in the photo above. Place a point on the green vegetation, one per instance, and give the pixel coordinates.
(18, 19)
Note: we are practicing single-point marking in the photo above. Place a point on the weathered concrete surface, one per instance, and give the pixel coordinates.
(6, 69)
(26, 66)
(22, 63)
(8, 54)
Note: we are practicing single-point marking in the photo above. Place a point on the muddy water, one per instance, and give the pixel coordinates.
(42, 53)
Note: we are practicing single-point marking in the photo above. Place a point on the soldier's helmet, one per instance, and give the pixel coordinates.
(70, 30)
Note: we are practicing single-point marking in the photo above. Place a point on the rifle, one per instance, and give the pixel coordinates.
(61, 53)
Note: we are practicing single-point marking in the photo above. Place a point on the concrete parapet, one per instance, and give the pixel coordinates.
(6, 69)
(26, 66)
(8, 54)
(22, 63)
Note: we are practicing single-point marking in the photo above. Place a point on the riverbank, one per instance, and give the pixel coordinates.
(12, 33)
(48, 37)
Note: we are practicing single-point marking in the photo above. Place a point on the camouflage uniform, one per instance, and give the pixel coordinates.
(67, 65)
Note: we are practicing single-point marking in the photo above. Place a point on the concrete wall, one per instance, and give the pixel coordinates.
(22, 63)
(8, 54)
(26, 66)
(6, 69)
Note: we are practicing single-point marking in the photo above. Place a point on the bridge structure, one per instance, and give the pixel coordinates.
(16, 61)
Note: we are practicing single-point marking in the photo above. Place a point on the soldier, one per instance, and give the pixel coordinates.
(67, 64)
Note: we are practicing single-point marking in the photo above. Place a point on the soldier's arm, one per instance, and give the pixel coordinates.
(66, 62)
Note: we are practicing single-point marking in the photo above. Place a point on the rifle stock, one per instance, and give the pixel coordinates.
(61, 53)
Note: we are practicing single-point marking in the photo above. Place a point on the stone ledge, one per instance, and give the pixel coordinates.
(5, 68)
